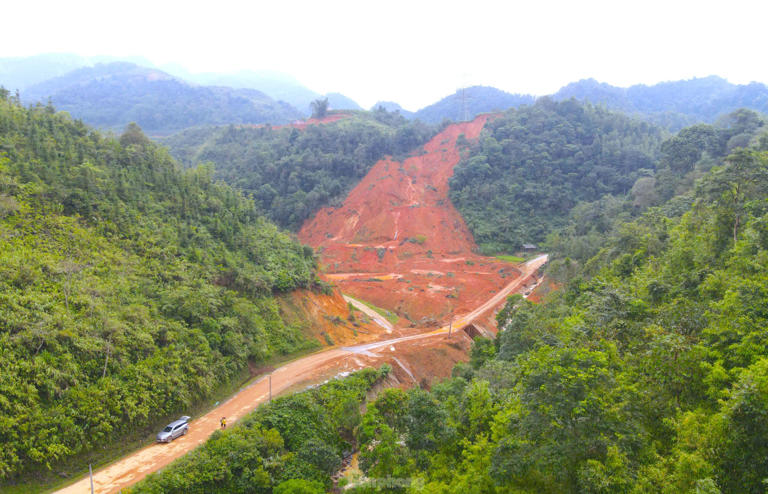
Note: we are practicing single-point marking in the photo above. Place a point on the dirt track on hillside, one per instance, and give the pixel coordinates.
(413, 357)
(399, 243)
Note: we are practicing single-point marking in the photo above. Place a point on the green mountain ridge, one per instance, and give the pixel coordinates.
(533, 164)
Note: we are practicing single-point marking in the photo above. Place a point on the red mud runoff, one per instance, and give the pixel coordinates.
(399, 243)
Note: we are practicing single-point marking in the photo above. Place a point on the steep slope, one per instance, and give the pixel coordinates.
(398, 241)
(534, 164)
(111, 95)
(294, 170)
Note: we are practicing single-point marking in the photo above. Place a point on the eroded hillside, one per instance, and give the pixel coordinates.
(398, 242)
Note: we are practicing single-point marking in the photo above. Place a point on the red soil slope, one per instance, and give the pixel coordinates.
(398, 241)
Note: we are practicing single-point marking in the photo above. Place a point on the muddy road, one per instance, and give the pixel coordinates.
(292, 376)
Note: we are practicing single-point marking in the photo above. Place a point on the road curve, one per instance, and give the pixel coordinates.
(310, 369)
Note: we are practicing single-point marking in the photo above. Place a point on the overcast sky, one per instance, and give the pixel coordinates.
(413, 52)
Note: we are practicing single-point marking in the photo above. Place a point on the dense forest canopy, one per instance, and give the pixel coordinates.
(683, 160)
(675, 104)
(533, 164)
(129, 289)
(291, 173)
(646, 372)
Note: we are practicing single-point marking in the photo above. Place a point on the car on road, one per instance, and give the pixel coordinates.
(173, 430)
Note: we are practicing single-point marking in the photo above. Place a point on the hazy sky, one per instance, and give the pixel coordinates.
(413, 52)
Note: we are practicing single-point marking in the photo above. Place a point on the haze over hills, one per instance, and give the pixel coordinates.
(262, 96)
(672, 104)
(391, 106)
(279, 86)
(475, 100)
(22, 72)
(109, 96)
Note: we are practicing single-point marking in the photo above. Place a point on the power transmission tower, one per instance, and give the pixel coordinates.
(464, 110)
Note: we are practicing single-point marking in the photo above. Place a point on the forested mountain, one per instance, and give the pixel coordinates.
(391, 106)
(110, 96)
(646, 372)
(292, 173)
(278, 86)
(475, 100)
(533, 164)
(129, 289)
(338, 101)
(18, 73)
(672, 104)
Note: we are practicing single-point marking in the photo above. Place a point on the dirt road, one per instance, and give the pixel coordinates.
(291, 376)
(377, 318)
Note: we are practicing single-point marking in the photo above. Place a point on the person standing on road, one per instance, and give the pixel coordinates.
(223, 423)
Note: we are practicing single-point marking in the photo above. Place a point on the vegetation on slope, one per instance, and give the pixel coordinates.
(292, 173)
(292, 445)
(647, 372)
(532, 165)
(129, 290)
(684, 159)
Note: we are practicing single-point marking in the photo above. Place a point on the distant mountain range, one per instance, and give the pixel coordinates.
(468, 102)
(279, 86)
(110, 94)
(23, 72)
(81, 84)
(673, 105)
(391, 106)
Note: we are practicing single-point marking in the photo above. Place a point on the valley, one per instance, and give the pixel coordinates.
(549, 294)
(429, 275)
(419, 355)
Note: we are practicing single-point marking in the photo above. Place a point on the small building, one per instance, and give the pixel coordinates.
(529, 247)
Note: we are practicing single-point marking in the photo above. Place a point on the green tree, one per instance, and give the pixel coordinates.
(319, 107)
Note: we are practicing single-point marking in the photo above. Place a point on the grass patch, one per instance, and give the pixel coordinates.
(389, 316)
(507, 258)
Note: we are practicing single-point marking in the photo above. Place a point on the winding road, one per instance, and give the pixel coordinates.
(293, 375)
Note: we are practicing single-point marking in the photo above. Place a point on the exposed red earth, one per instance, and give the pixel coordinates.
(417, 358)
(398, 242)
